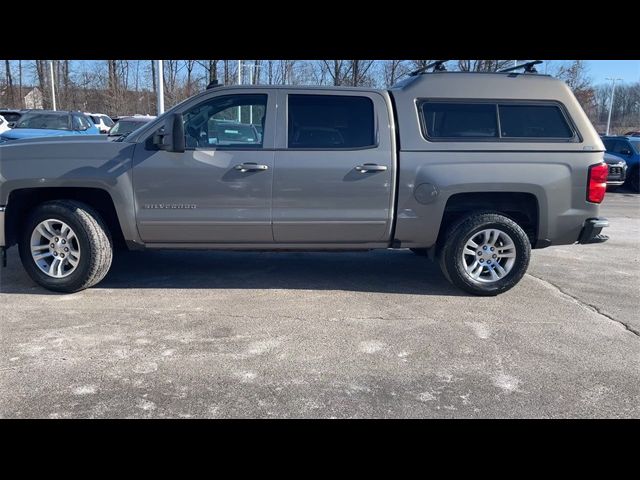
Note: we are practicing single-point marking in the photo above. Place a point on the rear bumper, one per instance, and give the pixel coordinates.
(591, 231)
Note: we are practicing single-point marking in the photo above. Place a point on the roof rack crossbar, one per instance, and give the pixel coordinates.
(438, 66)
(529, 67)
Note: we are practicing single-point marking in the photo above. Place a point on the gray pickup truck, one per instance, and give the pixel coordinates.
(470, 169)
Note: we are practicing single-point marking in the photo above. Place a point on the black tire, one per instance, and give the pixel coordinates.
(421, 252)
(93, 238)
(450, 254)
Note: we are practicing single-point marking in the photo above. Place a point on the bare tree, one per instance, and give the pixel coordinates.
(338, 70)
(393, 70)
(255, 78)
(482, 65)
(359, 73)
(575, 74)
(9, 81)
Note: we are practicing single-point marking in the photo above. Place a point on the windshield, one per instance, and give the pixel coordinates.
(47, 121)
(123, 127)
(107, 121)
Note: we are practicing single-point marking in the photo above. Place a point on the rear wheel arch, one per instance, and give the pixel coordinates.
(524, 208)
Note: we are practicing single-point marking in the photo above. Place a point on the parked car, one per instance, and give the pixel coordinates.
(101, 121)
(617, 170)
(627, 148)
(11, 115)
(47, 123)
(632, 134)
(471, 169)
(4, 125)
(126, 125)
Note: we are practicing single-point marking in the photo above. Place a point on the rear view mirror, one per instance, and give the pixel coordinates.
(11, 124)
(625, 151)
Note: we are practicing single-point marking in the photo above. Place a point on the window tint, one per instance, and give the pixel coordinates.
(460, 119)
(123, 127)
(609, 144)
(330, 121)
(622, 147)
(44, 120)
(228, 121)
(11, 117)
(533, 121)
(86, 122)
(81, 123)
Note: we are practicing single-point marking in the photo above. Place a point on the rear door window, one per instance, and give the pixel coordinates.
(330, 122)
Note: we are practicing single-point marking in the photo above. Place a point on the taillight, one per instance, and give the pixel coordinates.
(597, 182)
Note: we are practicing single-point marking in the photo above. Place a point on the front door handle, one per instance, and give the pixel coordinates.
(371, 167)
(251, 167)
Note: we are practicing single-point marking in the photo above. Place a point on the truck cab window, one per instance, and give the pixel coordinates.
(231, 121)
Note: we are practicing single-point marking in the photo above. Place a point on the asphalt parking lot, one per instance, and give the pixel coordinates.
(380, 334)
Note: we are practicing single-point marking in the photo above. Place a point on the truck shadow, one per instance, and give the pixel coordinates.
(377, 271)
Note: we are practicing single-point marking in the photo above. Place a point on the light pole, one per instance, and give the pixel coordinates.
(613, 90)
(53, 87)
(252, 72)
(160, 92)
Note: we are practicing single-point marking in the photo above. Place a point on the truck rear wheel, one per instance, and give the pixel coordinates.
(65, 246)
(485, 254)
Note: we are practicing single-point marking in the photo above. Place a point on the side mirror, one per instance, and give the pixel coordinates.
(171, 138)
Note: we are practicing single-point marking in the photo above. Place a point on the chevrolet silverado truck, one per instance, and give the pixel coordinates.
(472, 170)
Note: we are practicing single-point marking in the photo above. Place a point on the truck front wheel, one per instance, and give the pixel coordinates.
(485, 254)
(65, 246)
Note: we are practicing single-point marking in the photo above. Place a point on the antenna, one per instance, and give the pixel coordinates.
(438, 66)
(213, 84)
(529, 67)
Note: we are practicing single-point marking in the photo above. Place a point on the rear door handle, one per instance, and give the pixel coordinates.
(371, 167)
(251, 167)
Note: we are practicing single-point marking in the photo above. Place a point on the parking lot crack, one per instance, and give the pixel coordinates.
(587, 306)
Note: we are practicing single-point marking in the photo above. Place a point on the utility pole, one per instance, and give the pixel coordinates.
(613, 90)
(53, 87)
(160, 92)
